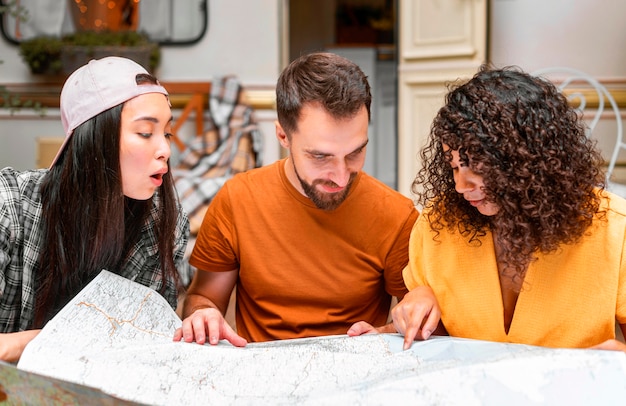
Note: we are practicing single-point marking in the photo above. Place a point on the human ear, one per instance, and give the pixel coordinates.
(281, 135)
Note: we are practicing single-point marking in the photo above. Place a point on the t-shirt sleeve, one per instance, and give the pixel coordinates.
(214, 247)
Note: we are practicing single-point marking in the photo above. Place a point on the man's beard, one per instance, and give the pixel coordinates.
(325, 201)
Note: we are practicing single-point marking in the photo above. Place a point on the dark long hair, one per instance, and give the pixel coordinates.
(88, 223)
(538, 166)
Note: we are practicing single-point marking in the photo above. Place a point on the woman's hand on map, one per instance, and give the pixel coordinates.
(417, 315)
(12, 344)
(612, 345)
(207, 322)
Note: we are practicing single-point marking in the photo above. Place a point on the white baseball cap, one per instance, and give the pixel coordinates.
(98, 86)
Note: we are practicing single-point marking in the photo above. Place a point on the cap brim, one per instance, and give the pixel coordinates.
(60, 151)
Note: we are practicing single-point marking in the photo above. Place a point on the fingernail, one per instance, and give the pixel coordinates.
(427, 334)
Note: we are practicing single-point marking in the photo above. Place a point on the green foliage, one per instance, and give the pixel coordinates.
(45, 54)
(42, 54)
(15, 10)
(12, 101)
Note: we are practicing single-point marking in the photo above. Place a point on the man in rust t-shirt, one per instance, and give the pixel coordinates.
(312, 243)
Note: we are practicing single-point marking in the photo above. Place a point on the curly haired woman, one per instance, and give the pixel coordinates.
(519, 242)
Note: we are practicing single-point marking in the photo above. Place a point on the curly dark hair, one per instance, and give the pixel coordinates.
(538, 166)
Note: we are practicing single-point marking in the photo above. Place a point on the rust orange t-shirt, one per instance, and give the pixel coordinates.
(304, 271)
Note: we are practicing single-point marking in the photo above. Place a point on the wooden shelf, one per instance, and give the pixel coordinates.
(181, 93)
(191, 97)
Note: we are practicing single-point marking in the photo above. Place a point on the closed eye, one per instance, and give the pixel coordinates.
(319, 157)
(148, 135)
(356, 154)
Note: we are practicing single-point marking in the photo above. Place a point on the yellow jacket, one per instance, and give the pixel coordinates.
(569, 299)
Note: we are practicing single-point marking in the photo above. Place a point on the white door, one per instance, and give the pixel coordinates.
(440, 41)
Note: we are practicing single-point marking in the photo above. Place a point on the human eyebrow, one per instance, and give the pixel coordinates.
(153, 119)
(359, 149)
(321, 154)
(146, 118)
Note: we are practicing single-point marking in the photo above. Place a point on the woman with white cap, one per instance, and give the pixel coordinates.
(106, 202)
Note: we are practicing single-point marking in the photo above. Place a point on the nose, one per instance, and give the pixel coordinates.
(463, 181)
(163, 150)
(341, 175)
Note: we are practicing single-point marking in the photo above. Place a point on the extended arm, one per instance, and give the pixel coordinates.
(204, 308)
(12, 344)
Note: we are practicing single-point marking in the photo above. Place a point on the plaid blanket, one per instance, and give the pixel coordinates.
(231, 143)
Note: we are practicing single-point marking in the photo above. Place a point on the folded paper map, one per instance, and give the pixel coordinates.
(116, 337)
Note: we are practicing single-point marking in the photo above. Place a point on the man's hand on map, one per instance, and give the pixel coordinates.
(12, 344)
(362, 327)
(417, 315)
(207, 322)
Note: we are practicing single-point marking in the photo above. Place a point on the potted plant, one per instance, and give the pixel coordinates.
(42, 54)
(101, 29)
(61, 56)
(80, 47)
